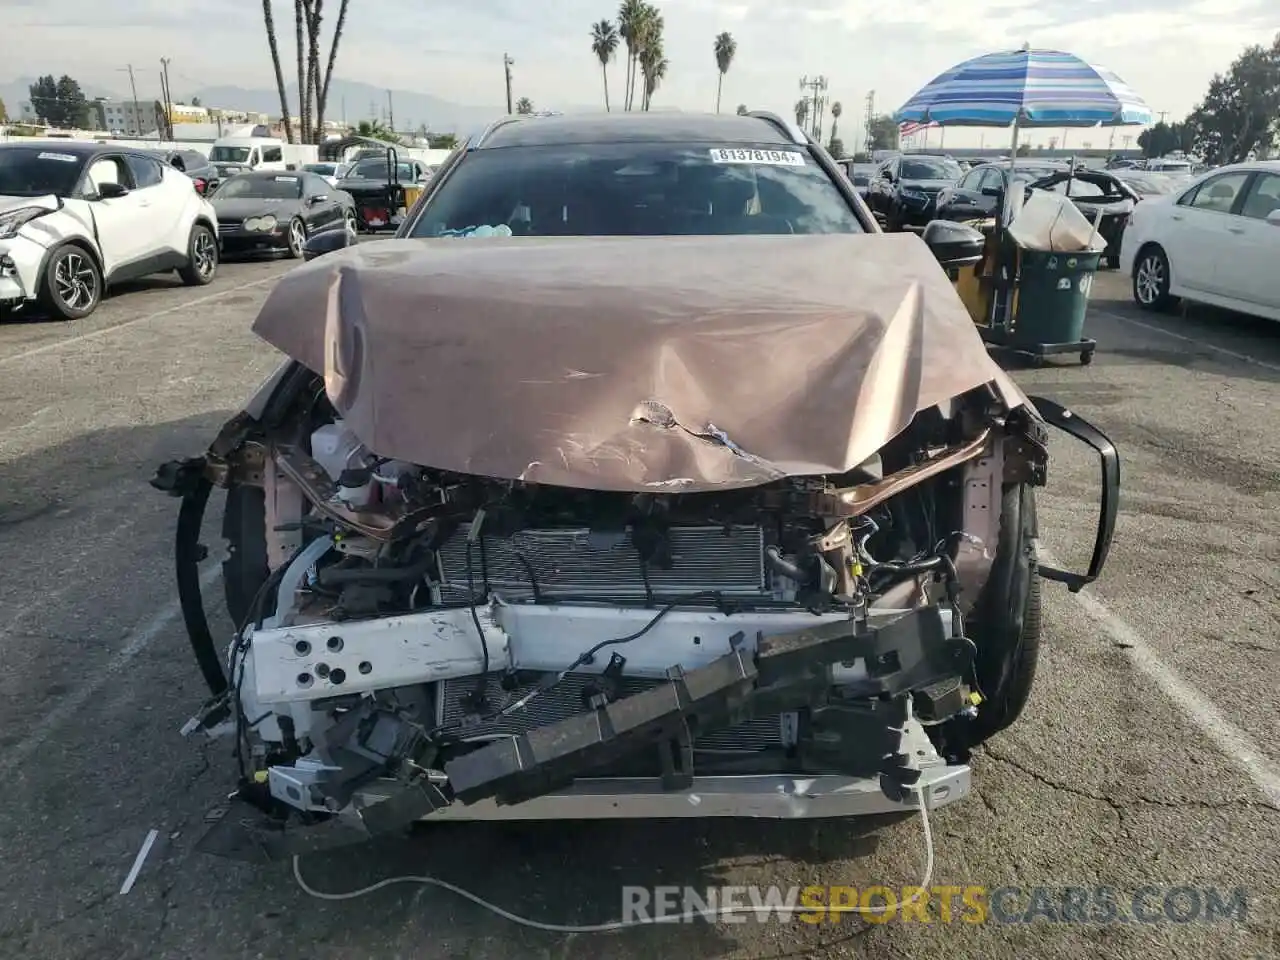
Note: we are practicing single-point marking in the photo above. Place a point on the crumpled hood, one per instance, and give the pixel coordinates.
(635, 363)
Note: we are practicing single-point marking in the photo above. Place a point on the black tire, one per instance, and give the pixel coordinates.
(202, 257)
(245, 570)
(297, 238)
(1005, 623)
(351, 224)
(71, 287)
(1151, 279)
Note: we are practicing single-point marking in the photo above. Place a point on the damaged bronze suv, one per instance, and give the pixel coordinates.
(675, 489)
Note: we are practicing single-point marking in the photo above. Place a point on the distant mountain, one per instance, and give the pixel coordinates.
(362, 101)
(348, 99)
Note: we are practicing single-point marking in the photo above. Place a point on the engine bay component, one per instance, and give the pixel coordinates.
(784, 588)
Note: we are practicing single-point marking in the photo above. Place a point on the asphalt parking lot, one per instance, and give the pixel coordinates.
(1148, 756)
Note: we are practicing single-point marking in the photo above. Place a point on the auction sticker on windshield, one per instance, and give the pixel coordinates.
(64, 157)
(781, 158)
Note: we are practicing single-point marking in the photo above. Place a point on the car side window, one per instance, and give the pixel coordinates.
(272, 155)
(1218, 193)
(1263, 198)
(971, 181)
(107, 170)
(146, 172)
(990, 178)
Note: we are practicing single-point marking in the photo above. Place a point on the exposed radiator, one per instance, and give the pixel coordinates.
(584, 563)
(565, 700)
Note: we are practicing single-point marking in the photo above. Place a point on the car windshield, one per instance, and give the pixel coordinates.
(229, 154)
(260, 188)
(376, 169)
(323, 169)
(930, 168)
(38, 171)
(1081, 189)
(639, 190)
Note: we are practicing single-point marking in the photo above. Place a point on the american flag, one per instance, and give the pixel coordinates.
(909, 127)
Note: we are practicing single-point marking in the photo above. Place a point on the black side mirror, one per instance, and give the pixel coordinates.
(327, 241)
(318, 198)
(110, 191)
(993, 191)
(954, 244)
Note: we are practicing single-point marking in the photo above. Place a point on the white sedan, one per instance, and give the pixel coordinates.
(1215, 240)
(77, 217)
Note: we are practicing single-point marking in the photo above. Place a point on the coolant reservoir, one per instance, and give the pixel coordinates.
(335, 447)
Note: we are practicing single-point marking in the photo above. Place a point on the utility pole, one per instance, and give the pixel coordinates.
(871, 116)
(168, 96)
(391, 113)
(506, 66)
(1163, 114)
(815, 87)
(133, 112)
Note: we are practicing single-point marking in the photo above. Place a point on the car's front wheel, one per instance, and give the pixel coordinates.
(349, 221)
(1005, 622)
(72, 285)
(297, 238)
(202, 257)
(1151, 279)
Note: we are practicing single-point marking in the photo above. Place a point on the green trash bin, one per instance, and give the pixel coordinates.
(1053, 297)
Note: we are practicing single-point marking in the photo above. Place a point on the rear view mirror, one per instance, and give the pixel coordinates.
(319, 198)
(1056, 415)
(327, 241)
(992, 191)
(110, 191)
(955, 245)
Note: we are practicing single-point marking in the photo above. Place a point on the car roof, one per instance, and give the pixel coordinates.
(635, 127)
(84, 150)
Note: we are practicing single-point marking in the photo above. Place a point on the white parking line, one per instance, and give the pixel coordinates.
(1233, 354)
(39, 732)
(96, 334)
(1234, 743)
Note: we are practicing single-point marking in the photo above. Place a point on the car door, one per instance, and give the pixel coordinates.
(880, 188)
(121, 223)
(1246, 266)
(322, 208)
(1197, 227)
(960, 202)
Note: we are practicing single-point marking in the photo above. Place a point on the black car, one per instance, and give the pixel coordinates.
(859, 174)
(376, 184)
(903, 191)
(278, 211)
(195, 165)
(978, 194)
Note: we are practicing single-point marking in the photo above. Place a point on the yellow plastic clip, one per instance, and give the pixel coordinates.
(259, 776)
(975, 698)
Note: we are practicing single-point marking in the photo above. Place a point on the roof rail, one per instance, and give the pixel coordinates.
(786, 127)
(488, 131)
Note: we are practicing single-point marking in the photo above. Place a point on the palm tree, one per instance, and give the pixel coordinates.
(631, 13)
(604, 41)
(653, 65)
(726, 47)
(299, 17)
(836, 110)
(323, 97)
(524, 105)
(269, 21)
(802, 112)
(742, 110)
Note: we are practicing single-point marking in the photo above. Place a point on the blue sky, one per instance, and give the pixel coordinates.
(1166, 49)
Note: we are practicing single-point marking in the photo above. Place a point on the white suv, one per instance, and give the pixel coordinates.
(77, 217)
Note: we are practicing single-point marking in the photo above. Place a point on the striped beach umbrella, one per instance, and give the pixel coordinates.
(1032, 88)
